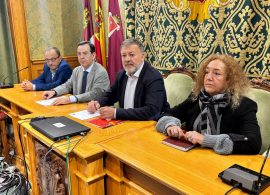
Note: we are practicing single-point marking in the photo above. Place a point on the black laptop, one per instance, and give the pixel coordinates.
(58, 128)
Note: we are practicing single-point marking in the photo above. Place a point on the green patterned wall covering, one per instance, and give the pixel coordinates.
(184, 32)
(53, 23)
(72, 16)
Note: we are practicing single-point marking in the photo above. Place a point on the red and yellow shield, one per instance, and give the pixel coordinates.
(199, 9)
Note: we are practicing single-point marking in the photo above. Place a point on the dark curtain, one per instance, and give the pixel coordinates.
(7, 58)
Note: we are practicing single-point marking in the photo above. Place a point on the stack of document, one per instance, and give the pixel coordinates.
(84, 115)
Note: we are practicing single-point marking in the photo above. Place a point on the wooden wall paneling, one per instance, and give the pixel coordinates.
(36, 68)
(37, 65)
(72, 60)
(19, 37)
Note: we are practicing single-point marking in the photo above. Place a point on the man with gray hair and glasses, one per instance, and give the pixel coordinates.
(56, 71)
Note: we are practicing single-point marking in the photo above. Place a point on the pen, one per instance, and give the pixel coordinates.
(96, 107)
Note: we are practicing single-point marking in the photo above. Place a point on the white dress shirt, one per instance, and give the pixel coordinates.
(130, 88)
(53, 73)
(72, 98)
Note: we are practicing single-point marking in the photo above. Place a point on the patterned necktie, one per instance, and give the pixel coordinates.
(84, 81)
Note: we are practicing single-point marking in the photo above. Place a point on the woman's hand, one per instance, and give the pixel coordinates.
(194, 137)
(175, 131)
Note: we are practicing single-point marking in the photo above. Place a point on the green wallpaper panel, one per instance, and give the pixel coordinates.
(53, 23)
(72, 18)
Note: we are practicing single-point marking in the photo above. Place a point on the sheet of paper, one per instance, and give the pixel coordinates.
(84, 114)
(46, 102)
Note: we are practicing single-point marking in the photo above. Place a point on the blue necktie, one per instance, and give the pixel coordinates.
(84, 81)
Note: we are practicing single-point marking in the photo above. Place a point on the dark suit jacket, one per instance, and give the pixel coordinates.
(238, 123)
(45, 81)
(150, 95)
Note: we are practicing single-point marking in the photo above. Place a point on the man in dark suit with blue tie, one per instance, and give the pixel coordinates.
(56, 71)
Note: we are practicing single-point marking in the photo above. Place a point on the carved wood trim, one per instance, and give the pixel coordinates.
(114, 176)
(37, 65)
(181, 70)
(90, 180)
(51, 171)
(18, 28)
(260, 83)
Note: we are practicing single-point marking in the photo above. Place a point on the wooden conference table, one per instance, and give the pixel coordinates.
(138, 163)
(15, 102)
(128, 158)
(86, 165)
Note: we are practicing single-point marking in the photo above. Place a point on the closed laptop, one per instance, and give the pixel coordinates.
(58, 128)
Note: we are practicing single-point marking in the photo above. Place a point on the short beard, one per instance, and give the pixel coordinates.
(131, 73)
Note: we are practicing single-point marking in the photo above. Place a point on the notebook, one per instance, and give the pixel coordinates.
(58, 128)
(180, 144)
(103, 123)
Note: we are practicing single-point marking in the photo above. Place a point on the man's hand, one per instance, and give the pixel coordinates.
(48, 94)
(61, 100)
(27, 85)
(93, 106)
(175, 131)
(107, 112)
(194, 137)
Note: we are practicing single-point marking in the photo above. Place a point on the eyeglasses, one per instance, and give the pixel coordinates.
(51, 60)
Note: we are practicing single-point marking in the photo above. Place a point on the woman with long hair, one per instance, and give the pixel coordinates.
(217, 114)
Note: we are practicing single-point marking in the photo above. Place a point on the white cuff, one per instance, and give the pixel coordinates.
(72, 99)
